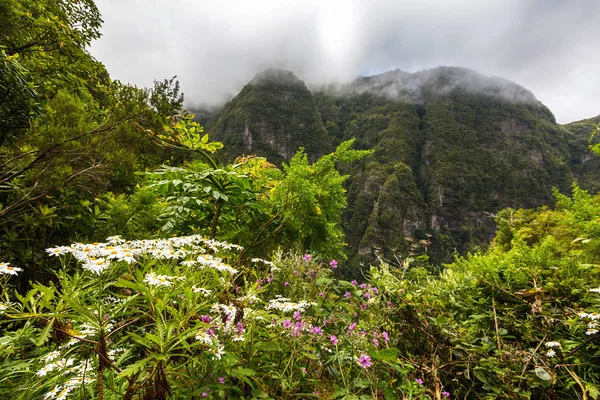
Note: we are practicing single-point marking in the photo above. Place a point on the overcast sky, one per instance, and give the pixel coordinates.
(551, 47)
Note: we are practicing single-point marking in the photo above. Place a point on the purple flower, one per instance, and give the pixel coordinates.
(445, 394)
(363, 307)
(286, 284)
(419, 381)
(333, 264)
(385, 336)
(307, 257)
(297, 316)
(375, 290)
(351, 327)
(363, 285)
(204, 395)
(375, 342)
(321, 294)
(296, 273)
(324, 321)
(347, 294)
(268, 279)
(221, 380)
(367, 295)
(354, 282)
(316, 330)
(333, 339)
(364, 361)
(390, 304)
(287, 323)
(205, 318)
(240, 327)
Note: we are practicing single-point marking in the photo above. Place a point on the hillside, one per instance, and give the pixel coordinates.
(452, 147)
(272, 116)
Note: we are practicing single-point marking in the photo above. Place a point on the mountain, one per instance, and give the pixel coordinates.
(272, 116)
(451, 148)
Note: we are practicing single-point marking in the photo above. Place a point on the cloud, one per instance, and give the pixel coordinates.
(216, 46)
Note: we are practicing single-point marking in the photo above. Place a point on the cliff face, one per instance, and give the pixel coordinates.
(452, 147)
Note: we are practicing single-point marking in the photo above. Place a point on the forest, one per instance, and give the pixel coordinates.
(142, 257)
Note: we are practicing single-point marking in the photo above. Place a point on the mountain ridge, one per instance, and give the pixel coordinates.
(451, 148)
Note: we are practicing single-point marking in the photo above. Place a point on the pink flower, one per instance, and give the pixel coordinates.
(321, 294)
(375, 290)
(385, 336)
(205, 318)
(364, 361)
(324, 321)
(351, 327)
(316, 330)
(375, 342)
(286, 284)
(333, 339)
(347, 294)
(297, 316)
(204, 395)
(363, 307)
(445, 394)
(333, 264)
(221, 380)
(307, 257)
(363, 285)
(287, 323)
(419, 381)
(354, 282)
(367, 295)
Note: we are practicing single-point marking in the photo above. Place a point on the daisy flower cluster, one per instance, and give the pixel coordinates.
(77, 374)
(97, 257)
(285, 305)
(592, 322)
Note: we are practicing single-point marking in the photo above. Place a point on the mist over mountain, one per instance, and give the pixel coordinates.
(451, 148)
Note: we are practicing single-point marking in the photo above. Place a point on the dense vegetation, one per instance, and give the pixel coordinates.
(136, 265)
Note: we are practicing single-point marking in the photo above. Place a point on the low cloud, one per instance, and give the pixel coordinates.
(215, 47)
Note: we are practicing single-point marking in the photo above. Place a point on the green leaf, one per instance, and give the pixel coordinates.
(542, 374)
(134, 368)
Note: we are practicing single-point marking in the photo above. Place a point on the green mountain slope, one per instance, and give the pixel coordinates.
(272, 116)
(452, 147)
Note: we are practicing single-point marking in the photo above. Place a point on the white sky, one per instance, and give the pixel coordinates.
(551, 47)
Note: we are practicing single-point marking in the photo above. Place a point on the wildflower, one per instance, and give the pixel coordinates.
(354, 282)
(552, 344)
(347, 294)
(385, 336)
(307, 257)
(321, 294)
(445, 394)
(205, 292)
(219, 352)
(375, 342)
(333, 264)
(316, 330)
(286, 284)
(375, 290)
(204, 394)
(206, 318)
(297, 316)
(550, 353)
(221, 380)
(367, 295)
(204, 338)
(96, 265)
(5, 268)
(287, 323)
(419, 381)
(351, 327)
(363, 286)
(595, 290)
(364, 361)
(591, 331)
(334, 340)
(363, 307)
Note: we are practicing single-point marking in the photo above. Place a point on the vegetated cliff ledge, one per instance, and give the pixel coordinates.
(452, 147)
